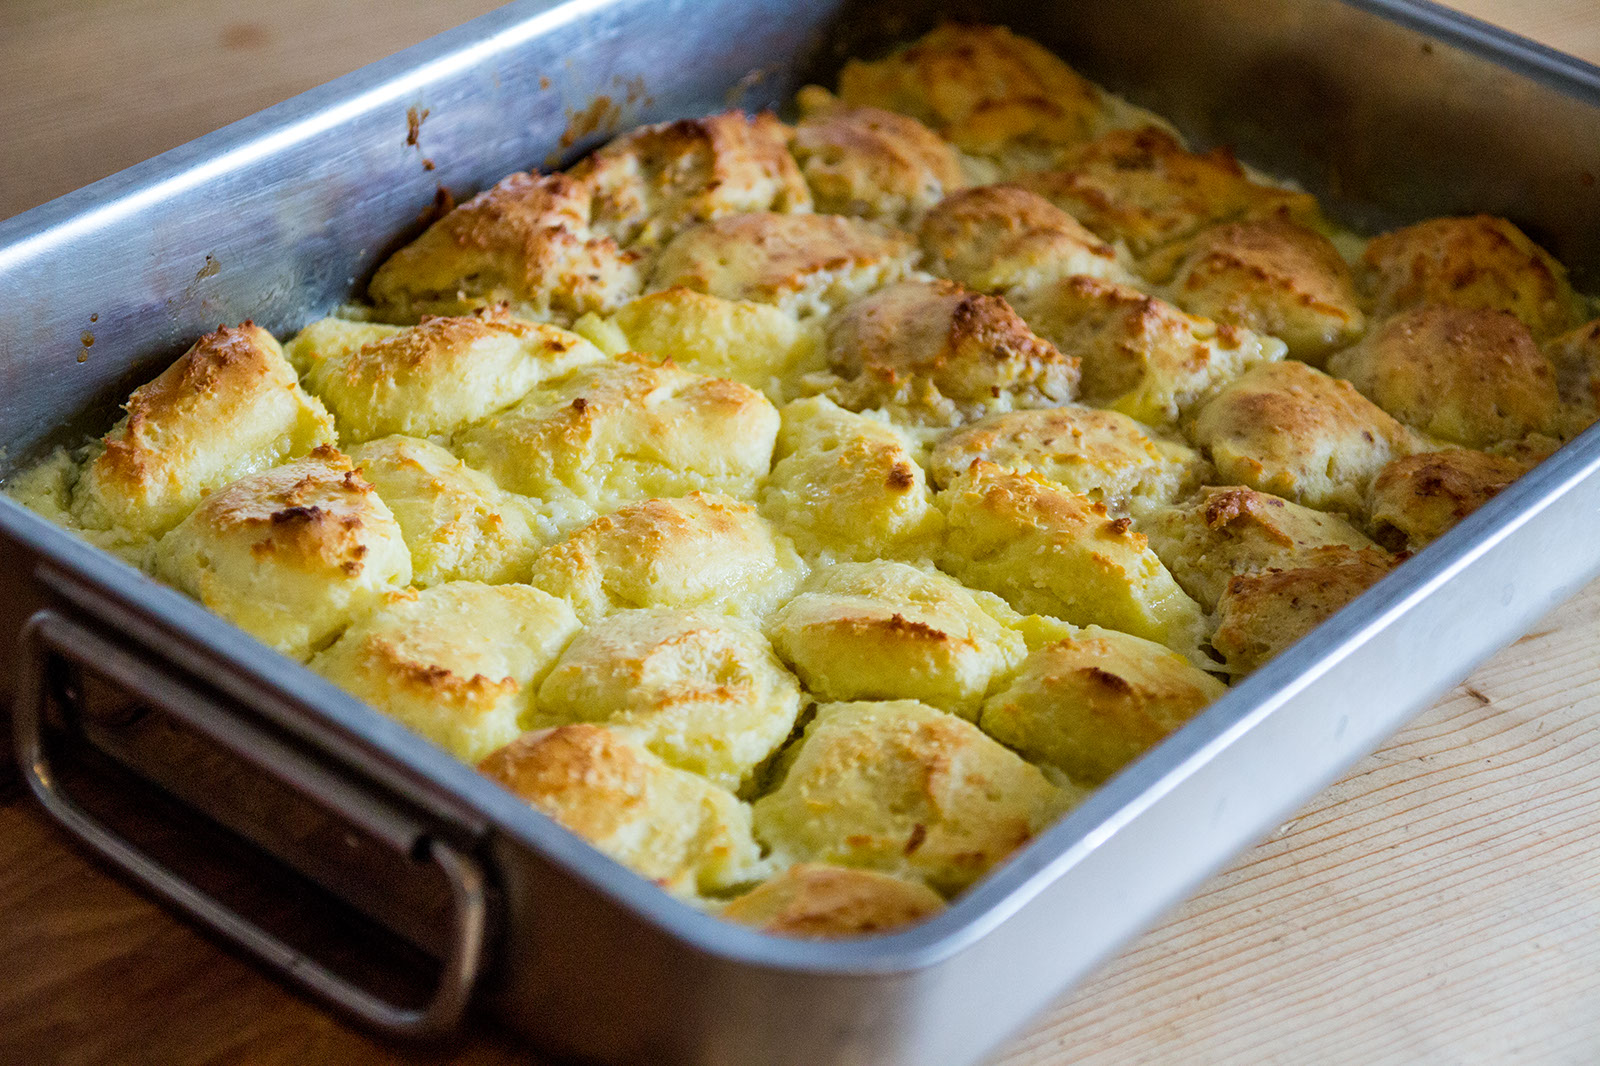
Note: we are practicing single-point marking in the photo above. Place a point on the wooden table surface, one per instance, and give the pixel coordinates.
(1441, 904)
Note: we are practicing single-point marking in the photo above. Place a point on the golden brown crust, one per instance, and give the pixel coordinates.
(943, 354)
(902, 788)
(1145, 189)
(312, 512)
(1418, 498)
(807, 264)
(1475, 262)
(672, 826)
(701, 550)
(703, 692)
(885, 630)
(999, 237)
(982, 87)
(874, 163)
(816, 900)
(1263, 613)
(458, 662)
(432, 378)
(653, 182)
(1470, 376)
(1272, 276)
(290, 555)
(1225, 530)
(526, 243)
(1093, 703)
(625, 430)
(1140, 355)
(1104, 455)
(1291, 430)
(1052, 552)
(683, 532)
(229, 406)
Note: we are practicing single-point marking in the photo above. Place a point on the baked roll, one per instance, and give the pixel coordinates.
(1140, 355)
(702, 691)
(458, 524)
(819, 901)
(291, 555)
(755, 344)
(653, 182)
(458, 663)
(700, 550)
(1052, 552)
(847, 486)
(941, 354)
(983, 88)
(1145, 189)
(1291, 430)
(1469, 376)
(1261, 614)
(527, 243)
(872, 163)
(906, 790)
(1223, 530)
(228, 407)
(1418, 498)
(996, 238)
(1276, 277)
(1474, 262)
(1103, 455)
(676, 828)
(1575, 355)
(1093, 703)
(885, 630)
(805, 264)
(624, 430)
(432, 378)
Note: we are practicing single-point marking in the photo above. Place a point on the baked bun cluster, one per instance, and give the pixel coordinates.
(807, 514)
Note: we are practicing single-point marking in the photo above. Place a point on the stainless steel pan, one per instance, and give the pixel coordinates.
(129, 697)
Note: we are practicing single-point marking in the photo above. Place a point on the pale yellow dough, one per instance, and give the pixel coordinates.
(703, 691)
(459, 662)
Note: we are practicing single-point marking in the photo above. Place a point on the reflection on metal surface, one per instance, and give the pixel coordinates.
(55, 641)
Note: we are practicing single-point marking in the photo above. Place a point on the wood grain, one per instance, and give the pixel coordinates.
(107, 83)
(1440, 904)
(1571, 26)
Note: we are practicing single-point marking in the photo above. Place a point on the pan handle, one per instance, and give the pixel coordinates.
(49, 634)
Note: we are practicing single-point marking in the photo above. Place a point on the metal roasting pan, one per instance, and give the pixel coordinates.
(1391, 110)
